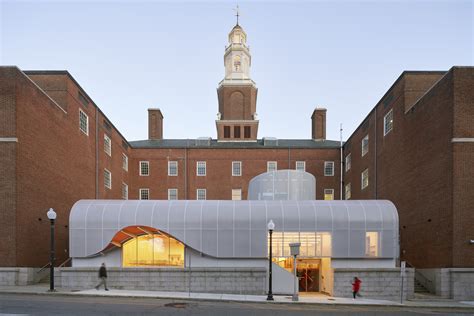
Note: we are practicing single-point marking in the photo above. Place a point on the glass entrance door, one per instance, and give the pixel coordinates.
(308, 274)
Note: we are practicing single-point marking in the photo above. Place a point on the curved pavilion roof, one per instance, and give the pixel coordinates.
(232, 229)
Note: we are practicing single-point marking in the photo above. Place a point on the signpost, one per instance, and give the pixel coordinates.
(295, 251)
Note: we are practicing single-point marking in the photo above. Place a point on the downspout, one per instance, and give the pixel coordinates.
(342, 166)
(186, 172)
(96, 152)
(375, 152)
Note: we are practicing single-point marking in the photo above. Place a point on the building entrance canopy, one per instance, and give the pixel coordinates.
(236, 229)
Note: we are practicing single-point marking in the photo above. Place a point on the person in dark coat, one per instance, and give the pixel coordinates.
(102, 277)
(356, 287)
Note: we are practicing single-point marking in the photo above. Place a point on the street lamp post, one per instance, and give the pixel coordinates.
(271, 227)
(52, 216)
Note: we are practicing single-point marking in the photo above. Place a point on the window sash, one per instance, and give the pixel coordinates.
(83, 122)
(328, 194)
(365, 179)
(144, 194)
(300, 165)
(200, 194)
(329, 168)
(272, 166)
(201, 168)
(107, 179)
(172, 168)
(236, 168)
(348, 162)
(348, 191)
(365, 145)
(124, 162)
(388, 122)
(144, 168)
(172, 194)
(124, 191)
(107, 145)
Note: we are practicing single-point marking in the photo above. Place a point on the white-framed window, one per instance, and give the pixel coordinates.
(364, 179)
(301, 165)
(236, 194)
(124, 162)
(144, 168)
(329, 168)
(172, 168)
(107, 145)
(201, 168)
(372, 244)
(124, 191)
(200, 194)
(348, 162)
(236, 168)
(388, 122)
(83, 122)
(172, 194)
(272, 166)
(329, 194)
(365, 145)
(107, 179)
(348, 191)
(144, 194)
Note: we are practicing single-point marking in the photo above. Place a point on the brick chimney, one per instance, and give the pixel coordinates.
(155, 124)
(318, 127)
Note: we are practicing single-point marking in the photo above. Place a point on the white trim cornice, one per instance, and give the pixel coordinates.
(9, 139)
(463, 140)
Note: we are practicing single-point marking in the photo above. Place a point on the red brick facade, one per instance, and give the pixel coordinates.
(419, 166)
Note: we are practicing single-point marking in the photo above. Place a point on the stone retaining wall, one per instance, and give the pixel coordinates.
(20, 276)
(380, 283)
(206, 280)
(455, 283)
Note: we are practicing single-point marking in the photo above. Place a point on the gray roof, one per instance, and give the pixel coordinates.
(260, 144)
(235, 229)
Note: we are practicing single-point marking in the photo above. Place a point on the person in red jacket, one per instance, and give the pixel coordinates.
(356, 287)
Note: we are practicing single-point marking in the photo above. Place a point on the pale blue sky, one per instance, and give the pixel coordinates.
(132, 55)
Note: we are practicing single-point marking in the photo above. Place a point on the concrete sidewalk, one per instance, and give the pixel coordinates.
(42, 289)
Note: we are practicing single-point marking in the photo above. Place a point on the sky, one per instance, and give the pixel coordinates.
(133, 55)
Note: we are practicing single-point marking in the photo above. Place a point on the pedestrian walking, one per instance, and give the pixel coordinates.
(102, 277)
(356, 287)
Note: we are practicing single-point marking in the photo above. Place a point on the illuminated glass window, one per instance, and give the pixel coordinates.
(301, 166)
(152, 250)
(365, 145)
(172, 168)
(107, 145)
(388, 122)
(312, 244)
(272, 166)
(372, 244)
(329, 194)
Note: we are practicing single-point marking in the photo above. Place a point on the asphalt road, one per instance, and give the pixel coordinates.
(12, 304)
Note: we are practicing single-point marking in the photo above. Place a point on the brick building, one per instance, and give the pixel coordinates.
(416, 148)
(57, 147)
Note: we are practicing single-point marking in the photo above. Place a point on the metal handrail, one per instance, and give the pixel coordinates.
(66, 261)
(44, 267)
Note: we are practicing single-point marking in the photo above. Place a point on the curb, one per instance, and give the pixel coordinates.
(195, 299)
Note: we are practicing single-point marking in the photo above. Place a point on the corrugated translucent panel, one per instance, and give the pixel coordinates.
(238, 229)
(283, 185)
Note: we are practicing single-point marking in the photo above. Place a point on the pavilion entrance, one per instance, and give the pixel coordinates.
(308, 272)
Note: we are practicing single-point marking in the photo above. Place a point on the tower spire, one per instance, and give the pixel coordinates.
(237, 14)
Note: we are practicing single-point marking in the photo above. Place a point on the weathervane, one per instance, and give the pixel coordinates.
(237, 13)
